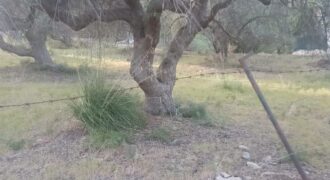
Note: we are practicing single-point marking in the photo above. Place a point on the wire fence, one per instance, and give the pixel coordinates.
(236, 71)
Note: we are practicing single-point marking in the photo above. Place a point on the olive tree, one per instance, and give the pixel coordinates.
(144, 18)
(25, 28)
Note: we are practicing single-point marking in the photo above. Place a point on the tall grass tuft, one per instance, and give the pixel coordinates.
(196, 112)
(108, 107)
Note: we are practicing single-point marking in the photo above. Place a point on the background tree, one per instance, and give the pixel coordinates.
(25, 29)
(249, 27)
(309, 22)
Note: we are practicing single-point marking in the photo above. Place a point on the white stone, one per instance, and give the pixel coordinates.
(253, 165)
(244, 148)
(267, 159)
(248, 178)
(220, 178)
(225, 175)
(246, 156)
(229, 178)
(234, 178)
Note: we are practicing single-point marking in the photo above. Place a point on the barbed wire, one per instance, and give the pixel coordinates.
(237, 71)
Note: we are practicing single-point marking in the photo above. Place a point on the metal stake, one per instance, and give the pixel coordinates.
(272, 117)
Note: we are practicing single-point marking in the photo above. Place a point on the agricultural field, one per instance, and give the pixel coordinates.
(223, 122)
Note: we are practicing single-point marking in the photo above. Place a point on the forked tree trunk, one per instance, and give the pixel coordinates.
(158, 87)
(37, 38)
(39, 50)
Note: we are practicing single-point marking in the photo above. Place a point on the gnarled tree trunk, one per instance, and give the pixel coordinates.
(158, 87)
(36, 28)
(37, 37)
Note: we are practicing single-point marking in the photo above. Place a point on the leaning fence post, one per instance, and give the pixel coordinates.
(272, 117)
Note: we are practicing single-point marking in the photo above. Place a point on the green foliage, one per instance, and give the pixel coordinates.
(300, 155)
(234, 86)
(16, 145)
(201, 44)
(109, 139)
(160, 134)
(196, 112)
(107, 108)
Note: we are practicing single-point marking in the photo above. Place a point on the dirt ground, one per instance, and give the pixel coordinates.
(196, 152)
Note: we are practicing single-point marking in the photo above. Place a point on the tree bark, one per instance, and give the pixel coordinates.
(158, 88)
(36, 27)
(37, 37)
(20, 51)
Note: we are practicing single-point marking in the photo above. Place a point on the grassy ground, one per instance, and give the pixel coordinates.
(300, 101)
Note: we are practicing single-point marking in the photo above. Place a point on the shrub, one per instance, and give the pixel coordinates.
(201, 44)
(196, 112)
(160, 134)
(107, 108)
(234, 86)
(110, 139)
(16, 145)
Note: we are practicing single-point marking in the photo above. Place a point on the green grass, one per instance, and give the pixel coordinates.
(108, 111)
(160, 134)
(109, 139)
(197, 112)
(16, 145)
(234, 86)
(107, 107)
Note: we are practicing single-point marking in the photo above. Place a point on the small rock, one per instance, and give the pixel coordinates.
(253, 165)
(267, 159)
(220, 178)
(229, 178)
(234, 178)
(178, 142)
(225, 175)
(244, 148)
(277, 175)
(40, 142)
(246, 156)
(248, 178)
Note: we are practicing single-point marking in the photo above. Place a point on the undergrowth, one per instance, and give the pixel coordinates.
(108, 112)
(160, 134)
(197, 112)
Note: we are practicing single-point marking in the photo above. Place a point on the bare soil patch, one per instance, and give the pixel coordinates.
(196, 152)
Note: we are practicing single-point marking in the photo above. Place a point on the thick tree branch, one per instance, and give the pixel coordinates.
(266, 2)
(60, 10)
(239, 32)
(20, 51)
(236, 38)
(216, 8)
(222, 5)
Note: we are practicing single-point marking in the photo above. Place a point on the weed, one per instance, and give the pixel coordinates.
(16, 145)
(161, 135)
(196, 112)
(110, 139)
(233, 86)
(300, 155)
(107, 108)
